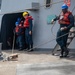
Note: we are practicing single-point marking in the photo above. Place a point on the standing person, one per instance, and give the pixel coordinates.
(66, 21)
(19, 29)
(28, 30)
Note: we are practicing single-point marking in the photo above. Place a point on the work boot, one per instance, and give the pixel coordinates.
(62, 51)
(31, 48)
(20, 49)
(25, 47)
(66, 51)
(61, 55)
(28, 47)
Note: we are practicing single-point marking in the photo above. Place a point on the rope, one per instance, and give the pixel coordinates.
(13, 43)
(52, 29)
(47, 41)
(73, 9)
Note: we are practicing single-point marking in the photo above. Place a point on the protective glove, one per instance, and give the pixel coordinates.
(63, 28)
(52, 21)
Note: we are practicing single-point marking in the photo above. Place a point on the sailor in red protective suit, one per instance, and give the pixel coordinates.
(28, 30)
(19, 29)
(66, 21)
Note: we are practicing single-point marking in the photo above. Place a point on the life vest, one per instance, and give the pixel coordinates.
(63, 19)
(26, 22)
(19, 30)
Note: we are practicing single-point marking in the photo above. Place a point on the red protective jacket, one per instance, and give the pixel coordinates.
(64, 18)
(19, 29)
(26, 22)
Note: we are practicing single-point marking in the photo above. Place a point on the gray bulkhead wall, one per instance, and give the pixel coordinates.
(44, 33)
(0, 26)
(41, 30)
(15, 5)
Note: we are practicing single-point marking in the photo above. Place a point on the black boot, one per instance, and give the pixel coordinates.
(66, 52)
(28, 46)
(62, 51)
(61, 55)
(31, 48)
(20, 49)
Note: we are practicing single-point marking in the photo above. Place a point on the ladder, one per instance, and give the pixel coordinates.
(69, 40)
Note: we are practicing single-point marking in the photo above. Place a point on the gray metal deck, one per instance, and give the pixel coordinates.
(60, 68)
